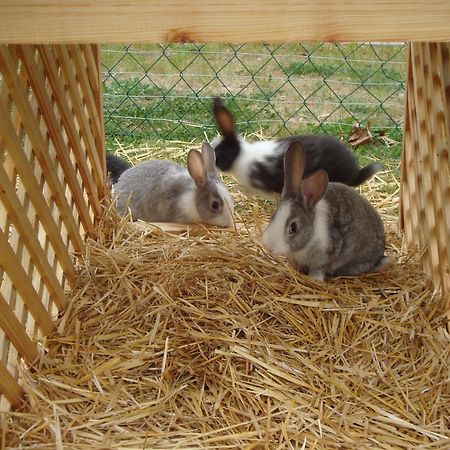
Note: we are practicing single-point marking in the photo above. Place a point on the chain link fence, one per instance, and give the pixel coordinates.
(165, 91)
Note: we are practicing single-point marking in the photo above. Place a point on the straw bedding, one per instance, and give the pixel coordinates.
(202, 339)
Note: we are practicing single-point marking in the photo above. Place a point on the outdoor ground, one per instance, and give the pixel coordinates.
(204, 340)
(157, 95)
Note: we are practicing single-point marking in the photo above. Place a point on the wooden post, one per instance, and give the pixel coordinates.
(425, 182)
(52, 179)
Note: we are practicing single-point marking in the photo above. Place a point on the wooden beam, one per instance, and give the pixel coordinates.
(16, 332)
(9, 387)
(108, 21)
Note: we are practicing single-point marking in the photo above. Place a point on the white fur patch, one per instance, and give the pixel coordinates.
(188, 206)
(186, 203)
(274, 238)
(321, 236)
(226, 218)
(251, 153)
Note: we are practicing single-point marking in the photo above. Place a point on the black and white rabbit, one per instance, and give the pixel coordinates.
(115, 167)
(324, 229)
(258, 166)
(163, 191)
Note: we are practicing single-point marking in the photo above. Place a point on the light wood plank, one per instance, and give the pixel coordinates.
(15, 332)
(404, 210)
(36, 78)
(94, 50)
(23, 285)
(443, 67)
(425, 189)
(417, 169)
(411, 161)
(78, 107)
(23, 107)
(9, 387)
(28, 237)
(102, 21)
(437, 143)
(423, 136)
(89, 85)
(68, 122)
(23, 168)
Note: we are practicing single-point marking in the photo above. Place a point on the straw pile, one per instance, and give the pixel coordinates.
(202, 339)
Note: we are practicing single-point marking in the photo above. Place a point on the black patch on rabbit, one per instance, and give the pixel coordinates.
(115, 166)
(259, 165)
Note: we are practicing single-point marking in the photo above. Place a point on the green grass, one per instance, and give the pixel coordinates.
(163, 92)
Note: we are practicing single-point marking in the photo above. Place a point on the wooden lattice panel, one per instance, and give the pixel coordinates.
(425, 199)
(52, 175)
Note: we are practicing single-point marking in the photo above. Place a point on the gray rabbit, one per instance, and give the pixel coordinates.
(324, 229)
(163, 191)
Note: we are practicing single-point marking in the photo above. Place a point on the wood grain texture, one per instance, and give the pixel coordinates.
(102, 21)
(23, 285)
(20, 98)
(67, 118)
(94, 71)
(9, 387)
(52, 178)
(15, 332)
(37, 81)
(21, 163)
(68, 67)
(19, 217)
(425, 182)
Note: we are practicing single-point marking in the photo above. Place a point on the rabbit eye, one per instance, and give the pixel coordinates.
(293, 228)
(215, 205)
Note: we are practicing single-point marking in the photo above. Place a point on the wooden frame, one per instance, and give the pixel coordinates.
(52, 177)
(68, 21)
(425, 183)
(52, 172)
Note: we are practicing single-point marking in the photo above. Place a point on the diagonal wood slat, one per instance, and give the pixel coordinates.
(425, 183)
(34, 191)
(23, 285)
(9, 387)
(20, 220)
(20, 99)
(67, 118)
(38, 84)
(52, 179)
(16, 333)
(78, 106)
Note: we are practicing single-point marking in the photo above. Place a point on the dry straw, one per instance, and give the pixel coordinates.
(201, 339)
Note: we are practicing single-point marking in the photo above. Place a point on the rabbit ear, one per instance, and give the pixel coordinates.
(196, 167)
(209, 159)
(314, 187)
(294, 167)
(224, 119)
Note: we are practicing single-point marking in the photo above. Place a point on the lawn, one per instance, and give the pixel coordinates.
(155, 95)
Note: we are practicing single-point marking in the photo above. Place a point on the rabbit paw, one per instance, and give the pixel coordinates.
(317, 275)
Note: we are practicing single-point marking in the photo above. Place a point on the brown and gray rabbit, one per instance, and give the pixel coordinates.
(324, 229)
(258, 166)
(163, 191)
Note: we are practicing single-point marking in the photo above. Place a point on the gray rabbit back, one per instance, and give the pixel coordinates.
(356, 233)
(155, 189)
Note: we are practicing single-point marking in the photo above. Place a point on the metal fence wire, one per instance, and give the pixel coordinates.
(165, 91)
